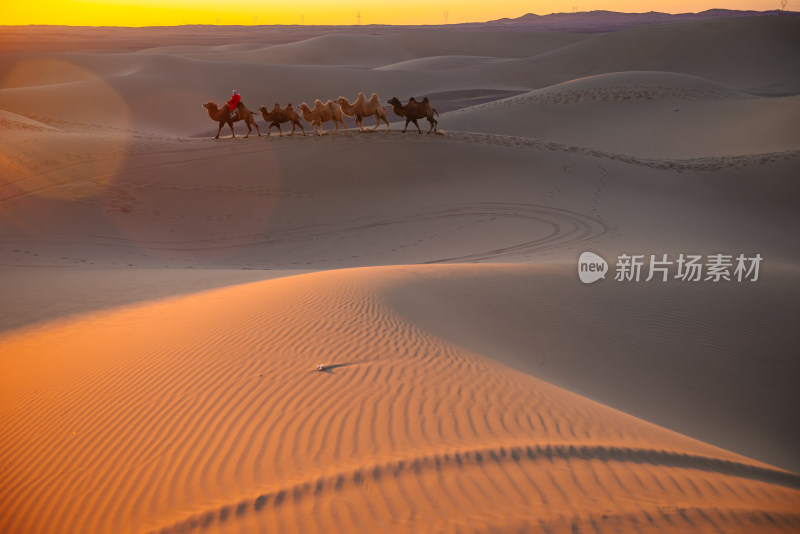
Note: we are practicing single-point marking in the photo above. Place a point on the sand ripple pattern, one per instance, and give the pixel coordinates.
(461, 463)
(204, 413)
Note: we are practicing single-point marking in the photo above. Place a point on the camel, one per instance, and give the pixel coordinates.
(330, 110)
(223, 116)
(279, 115)
(415, 110)
(364, 108)
(349, 110)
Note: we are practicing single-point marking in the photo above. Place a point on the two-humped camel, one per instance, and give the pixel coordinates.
(415, 110)
(223, 116)
(280, 115)
(364, 108)
(329, 111)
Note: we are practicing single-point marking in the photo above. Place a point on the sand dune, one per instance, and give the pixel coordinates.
(136, 89)
(405, 431)
(543, 324)
(12, 121)
(378, 50)
(137, 95)
(167, 296)
(649, 114)
(280, 210)
(441, 62)
(748, 53)
(347, 50)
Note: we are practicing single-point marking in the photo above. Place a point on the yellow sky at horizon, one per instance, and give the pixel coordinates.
(324, 12)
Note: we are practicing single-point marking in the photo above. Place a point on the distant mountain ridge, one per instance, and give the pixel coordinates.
(40, 38)
(612, 20)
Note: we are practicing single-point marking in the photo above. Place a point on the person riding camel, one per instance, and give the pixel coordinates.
(233, 104)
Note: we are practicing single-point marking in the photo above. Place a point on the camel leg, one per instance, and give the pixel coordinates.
(249, 129)
(407, 121)
(343, 126)
(221, 124)
(301, 128)
(433, 124)
(233, 134)
(257, 128)
(320, 131)
(417, 125)
(280, 132)
(378, 118)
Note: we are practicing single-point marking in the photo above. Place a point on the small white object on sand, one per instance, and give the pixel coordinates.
(320, 367)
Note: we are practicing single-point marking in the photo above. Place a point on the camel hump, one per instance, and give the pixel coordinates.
(412, 99)
(425, 100)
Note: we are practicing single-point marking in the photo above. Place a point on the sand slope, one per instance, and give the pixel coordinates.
(649, 114)
(749, 53)
(405, 432)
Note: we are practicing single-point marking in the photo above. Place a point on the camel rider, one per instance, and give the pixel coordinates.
(233, 103)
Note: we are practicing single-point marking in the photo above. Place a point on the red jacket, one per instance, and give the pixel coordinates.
(234, 101)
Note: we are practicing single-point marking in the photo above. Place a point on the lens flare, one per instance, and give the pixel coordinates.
(75, 142)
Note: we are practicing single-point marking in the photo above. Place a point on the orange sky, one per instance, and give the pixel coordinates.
(175, 12)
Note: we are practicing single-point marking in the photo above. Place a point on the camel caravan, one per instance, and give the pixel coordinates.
(331, 111)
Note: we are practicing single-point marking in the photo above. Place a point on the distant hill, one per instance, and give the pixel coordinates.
(42, 38)
(590, 21)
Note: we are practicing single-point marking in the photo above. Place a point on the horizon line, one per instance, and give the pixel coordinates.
(500, 20)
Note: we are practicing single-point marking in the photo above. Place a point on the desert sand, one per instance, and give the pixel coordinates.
(166, 297)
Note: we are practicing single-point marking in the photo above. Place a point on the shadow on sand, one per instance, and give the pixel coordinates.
(330, 368)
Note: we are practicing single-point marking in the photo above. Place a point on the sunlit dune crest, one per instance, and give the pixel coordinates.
(403, 431)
